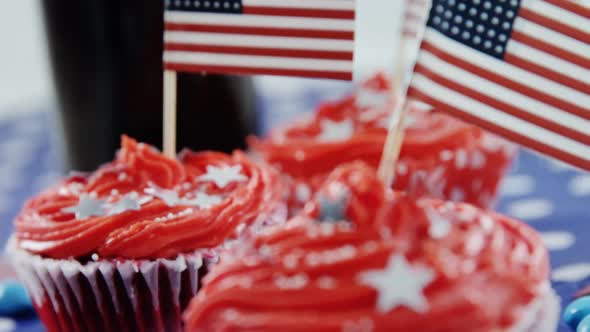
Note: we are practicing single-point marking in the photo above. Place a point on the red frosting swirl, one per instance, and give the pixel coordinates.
(432, 140)
(486, 269)
(156, 229)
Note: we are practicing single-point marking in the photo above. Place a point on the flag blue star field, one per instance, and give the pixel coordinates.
(308, 38)
(520, 68)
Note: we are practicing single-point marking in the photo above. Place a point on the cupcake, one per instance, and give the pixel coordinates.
(393, 263)
(124, 248)
(441, 157)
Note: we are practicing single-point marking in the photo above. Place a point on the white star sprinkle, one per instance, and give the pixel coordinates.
(384, 122)
(224, 175)
(336, 131)
(129, 202)
(371, 114)
(170, 197)
(399, 284)
(204, 201)
(364, 324)
(302, 192)
(410, 121)
(87, 207)
(371, 98)
(439, 225)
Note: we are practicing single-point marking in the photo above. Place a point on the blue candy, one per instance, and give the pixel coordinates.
(13, 298)
(576, 311)
(584, 325)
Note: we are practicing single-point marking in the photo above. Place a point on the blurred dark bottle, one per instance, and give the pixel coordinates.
(107, 66)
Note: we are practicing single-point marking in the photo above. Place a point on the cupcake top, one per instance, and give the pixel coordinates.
(145, 205)
(394, 264)
(355, 127)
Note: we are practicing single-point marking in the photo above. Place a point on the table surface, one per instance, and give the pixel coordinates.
(549, 195)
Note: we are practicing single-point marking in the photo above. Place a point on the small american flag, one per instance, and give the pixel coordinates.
(520, 68)
(307, 38)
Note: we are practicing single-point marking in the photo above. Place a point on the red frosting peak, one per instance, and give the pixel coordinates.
(360, 191)
(145, 205)
(149, 164)
(471, 270)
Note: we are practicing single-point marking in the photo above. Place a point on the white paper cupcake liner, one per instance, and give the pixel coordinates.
(110, 295)
(542, 315)
(121, 294)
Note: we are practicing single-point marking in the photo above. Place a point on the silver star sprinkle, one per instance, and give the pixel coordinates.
(87, 207)
(129, 202)
(420, 106)
(409, 122)
(336, 131)
(439, 225)
(364, 324)
(170, 197)
(332, 210)
(224, 175)
(204, 201)
(333, 206)
(399, 284)
(371, 98)
(371, 114)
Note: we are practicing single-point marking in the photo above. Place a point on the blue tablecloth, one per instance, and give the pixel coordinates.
(549, 195)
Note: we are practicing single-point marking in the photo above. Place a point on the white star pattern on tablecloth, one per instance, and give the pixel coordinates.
(224, 175)
(580, 185)
(557, 240)
(517, 185)
(399, 284)
(87, 207)
(530, 209)
(336, 131)
(7, 324)
(204, 201)
(571, 273)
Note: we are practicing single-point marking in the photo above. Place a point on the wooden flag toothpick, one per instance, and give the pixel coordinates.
(396, 133)
(169, 134)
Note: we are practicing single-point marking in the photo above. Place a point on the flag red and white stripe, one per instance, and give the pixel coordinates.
(308, 38)
(415, 15)
(537, 94)
(413, 20)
